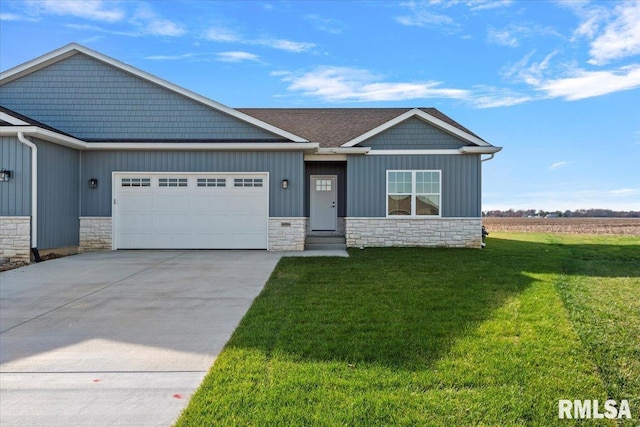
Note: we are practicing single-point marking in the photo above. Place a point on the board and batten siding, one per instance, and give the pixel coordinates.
(93, 100)
(413, 134)
(15, 195)
(461, 183)
(58, 195)
(280, 165)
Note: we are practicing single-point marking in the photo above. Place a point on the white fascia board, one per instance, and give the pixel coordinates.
(203, 146)
(68, 141)
(73, 48)
(416, 112)
(12, 120)
(413, 152)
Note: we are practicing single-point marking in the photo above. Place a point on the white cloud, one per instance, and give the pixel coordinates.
(283, 44)
(512, 34)
(621, 37)
(226, 35)
(88, 9)
(613, 33)
(16, 17)
(624, 192)
(503, 37)
(346, 84)
(339, 84)
(237, 56)
(171, 57)
(219, 34)
(151, 23)
(557, 165)
(586, 84)
(571, 82)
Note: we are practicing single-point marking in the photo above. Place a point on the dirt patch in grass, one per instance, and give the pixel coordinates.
(594, 226)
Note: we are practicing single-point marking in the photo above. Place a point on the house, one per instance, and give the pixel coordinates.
(99, 155)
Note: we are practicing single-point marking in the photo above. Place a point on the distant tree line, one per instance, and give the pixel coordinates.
(580, 213)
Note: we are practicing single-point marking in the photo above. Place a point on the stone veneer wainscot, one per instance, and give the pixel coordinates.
(95, 233)
(450, 232)
(15, 238)
(287, 234)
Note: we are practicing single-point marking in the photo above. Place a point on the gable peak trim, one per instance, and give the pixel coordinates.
(424, 116)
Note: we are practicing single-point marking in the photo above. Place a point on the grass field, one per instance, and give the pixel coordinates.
(435, 337)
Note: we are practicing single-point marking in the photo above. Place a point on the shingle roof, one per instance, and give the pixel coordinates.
(332, 127)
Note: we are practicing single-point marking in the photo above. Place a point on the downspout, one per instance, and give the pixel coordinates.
(488, 158)
(34, 194)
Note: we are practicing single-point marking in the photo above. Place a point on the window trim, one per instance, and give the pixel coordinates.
(413, 193)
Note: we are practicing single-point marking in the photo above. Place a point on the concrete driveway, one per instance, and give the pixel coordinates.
(118, 338)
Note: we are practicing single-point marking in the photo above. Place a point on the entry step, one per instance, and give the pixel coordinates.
(325, 242)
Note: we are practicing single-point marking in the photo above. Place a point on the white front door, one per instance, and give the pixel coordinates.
(323, 197)
(190, 211)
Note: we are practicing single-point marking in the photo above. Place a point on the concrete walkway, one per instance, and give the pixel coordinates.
(118, 338)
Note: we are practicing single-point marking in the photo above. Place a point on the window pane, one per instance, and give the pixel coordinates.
(427, 205)
(399, 205)
(399, 182)
(427, 182)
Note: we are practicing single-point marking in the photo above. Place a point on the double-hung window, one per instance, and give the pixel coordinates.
(414, 192)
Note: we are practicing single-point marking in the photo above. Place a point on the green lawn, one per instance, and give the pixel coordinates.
(435, 337)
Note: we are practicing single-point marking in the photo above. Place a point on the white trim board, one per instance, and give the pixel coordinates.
(74, 48)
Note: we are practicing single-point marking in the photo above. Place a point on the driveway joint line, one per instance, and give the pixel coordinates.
(93, 292)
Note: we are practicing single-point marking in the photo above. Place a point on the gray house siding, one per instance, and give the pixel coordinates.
(58, 195)
(413, 134)
(15, 195)
(461, 182)
(327, 168)
(93, 100)
(280, 165)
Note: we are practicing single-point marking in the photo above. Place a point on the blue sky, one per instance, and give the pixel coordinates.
(557, 84)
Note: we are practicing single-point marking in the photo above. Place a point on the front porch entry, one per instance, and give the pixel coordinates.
(323, 199)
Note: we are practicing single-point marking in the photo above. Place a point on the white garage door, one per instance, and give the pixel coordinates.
(190, 211)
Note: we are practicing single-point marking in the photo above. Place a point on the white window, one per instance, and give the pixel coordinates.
(247, 182)
(172, 182)
(212, 182)
(323, 185)
(414, 192)
(135, 182)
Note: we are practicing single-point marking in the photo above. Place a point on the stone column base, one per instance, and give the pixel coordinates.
(95, 233)
(15, 238)
(287, 234)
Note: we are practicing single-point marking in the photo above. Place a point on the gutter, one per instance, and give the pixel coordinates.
(34, 194)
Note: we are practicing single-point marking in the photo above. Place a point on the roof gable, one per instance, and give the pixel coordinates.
(448, 126)
(179, 104)
(347, 127)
